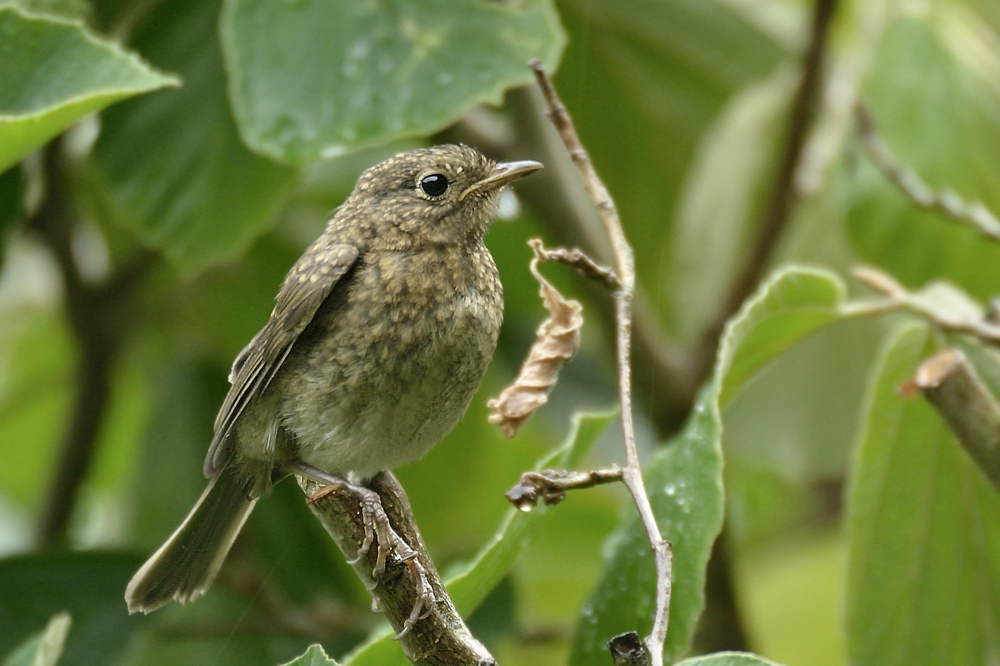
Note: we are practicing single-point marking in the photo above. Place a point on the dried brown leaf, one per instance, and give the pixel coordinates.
(556, 341)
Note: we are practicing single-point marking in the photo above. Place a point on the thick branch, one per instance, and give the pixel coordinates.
(625, 269)
(946, 202)
(441, 638)
(950, 383)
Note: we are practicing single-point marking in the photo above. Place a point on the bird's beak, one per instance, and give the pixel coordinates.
(503, 173)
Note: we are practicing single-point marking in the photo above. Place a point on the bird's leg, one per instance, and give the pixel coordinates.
(376, 526)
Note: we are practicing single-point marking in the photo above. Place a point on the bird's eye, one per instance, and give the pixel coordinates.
(434, 185)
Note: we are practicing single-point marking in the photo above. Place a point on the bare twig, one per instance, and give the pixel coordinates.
(950, 383)
(625, 269)
(550, 485)
(783, 195)
(900, 298)
(577, 259)
(946, 201)
(441, 638)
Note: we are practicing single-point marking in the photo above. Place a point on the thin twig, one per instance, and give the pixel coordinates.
(551, 485)
(899, 297)
(580, 261)
(946, 202)
(625, 269)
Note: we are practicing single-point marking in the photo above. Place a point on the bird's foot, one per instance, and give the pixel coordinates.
(377, 531)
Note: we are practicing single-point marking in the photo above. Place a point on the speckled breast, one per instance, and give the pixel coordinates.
(393, 359)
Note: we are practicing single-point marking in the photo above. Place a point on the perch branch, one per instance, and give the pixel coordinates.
(946, 202)
(439, 639)
(949, 382)
(625, 270)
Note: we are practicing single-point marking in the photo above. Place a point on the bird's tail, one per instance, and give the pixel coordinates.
(186, 564)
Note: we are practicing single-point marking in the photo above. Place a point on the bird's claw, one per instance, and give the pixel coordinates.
(424, 604)
(378, 528)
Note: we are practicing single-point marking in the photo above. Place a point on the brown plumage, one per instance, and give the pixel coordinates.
(379, 338)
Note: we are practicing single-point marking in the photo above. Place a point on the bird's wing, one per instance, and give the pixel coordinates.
(306, 287)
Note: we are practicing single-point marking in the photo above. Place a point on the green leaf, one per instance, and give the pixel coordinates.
(924, 527)
(53, 72)
(45, 648)
(473, 582)
(684, 479)
(315, 79)
(934, 98)
(175, 168)
(792, 303)
(89, 586)
(314, 656)
(728, 659)
(468, 588)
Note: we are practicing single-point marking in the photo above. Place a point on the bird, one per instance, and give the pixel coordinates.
(379, 338)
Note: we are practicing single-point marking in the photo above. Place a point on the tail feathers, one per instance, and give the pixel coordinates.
(186, 564)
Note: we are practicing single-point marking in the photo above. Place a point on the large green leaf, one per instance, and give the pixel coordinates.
(89, 586)
(644, 80)
(45, 647)
(924, 527)
(470, 585)
(684, 479)
(53, 72)
(935, 100)
(310, 79)
(174, 164)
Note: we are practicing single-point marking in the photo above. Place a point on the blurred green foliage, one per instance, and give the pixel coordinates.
(206, 193)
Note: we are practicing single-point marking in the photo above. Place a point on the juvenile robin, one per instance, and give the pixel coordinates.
(379, 338)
